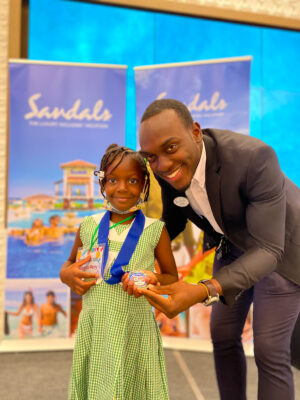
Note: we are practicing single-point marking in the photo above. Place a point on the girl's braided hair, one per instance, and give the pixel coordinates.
(113, 152)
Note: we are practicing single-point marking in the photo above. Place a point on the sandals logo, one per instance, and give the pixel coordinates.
(207, 107)
(76, 116)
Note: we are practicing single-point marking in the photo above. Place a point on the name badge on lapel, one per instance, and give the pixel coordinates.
(181, 201)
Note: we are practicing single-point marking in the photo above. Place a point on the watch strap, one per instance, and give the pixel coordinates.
(213, 295)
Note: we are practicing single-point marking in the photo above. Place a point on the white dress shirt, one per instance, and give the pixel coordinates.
(197, 195)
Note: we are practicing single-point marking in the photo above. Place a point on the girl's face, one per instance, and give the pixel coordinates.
(124, 184)
(28, 298)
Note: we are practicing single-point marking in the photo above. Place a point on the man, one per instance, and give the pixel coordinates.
(54, 231)
(183, 244)
(48, 312)
(231, 186)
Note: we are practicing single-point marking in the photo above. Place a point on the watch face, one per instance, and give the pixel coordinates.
(211, 300)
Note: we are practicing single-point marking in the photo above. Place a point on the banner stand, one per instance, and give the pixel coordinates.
(216, 92)
(63, 116)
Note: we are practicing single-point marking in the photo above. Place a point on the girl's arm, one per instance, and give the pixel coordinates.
(60, 309)
(16, 313)
(40, 318)
(163, 254)
(70, 272)
(37, 315)
(168, 271)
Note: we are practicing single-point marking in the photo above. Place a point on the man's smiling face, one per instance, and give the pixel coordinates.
(172, 150)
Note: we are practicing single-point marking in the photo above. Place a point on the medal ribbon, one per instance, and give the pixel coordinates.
(127, 248)
(111, 227)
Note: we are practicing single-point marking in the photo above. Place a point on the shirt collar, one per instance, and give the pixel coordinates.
(199, 175)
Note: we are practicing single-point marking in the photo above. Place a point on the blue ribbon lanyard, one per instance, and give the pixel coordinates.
(127, 248)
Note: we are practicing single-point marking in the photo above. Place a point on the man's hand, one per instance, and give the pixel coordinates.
(181, 296)
(128, 286)
(73, 277)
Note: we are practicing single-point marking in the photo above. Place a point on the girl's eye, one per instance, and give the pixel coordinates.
(133, 181)
(172, 148)
(111, 180)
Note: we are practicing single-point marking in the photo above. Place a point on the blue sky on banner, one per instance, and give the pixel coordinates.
(60, 113)
(217, 94)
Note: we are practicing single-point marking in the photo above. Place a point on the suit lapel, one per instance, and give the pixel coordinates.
(187, 210)
(201, 222)
(212, 179)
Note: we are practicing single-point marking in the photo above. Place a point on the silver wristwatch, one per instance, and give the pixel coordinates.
(214, 296)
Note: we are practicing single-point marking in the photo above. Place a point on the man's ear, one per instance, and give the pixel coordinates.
(197, 132)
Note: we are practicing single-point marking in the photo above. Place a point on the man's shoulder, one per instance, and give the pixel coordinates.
(229, 146)
(225, 136)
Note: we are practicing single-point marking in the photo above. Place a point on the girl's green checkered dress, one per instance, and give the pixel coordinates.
(118, 353)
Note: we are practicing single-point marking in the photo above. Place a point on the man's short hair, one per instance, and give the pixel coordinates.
(53, 217)
(50, 293)
(169, 104)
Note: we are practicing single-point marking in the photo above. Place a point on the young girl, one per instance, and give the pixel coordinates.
(118, 353)
(28, 309)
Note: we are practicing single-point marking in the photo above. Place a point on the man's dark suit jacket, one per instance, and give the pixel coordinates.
(254, 203)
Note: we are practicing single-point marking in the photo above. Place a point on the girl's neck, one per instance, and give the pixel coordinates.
(114, 217)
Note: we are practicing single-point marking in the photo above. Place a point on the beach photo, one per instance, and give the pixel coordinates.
(36, 308)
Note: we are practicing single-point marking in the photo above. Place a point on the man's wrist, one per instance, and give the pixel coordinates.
(217, 286)
(213, 290)
(200, 294)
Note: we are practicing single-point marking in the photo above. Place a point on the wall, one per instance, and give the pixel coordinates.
(280, 13)
(282, 90)
(4, 10)
(105, 34)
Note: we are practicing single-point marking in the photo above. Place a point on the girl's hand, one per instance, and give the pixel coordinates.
(73, 277)
(131, 289)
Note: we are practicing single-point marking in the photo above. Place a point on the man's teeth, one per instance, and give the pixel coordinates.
(173, 174)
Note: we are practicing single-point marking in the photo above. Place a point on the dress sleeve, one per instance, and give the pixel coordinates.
(157, 229)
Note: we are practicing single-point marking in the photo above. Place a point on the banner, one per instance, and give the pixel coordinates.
(62, 118)
(215, 91)
(217, 94)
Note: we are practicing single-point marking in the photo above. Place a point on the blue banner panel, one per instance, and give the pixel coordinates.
(62, 118)
(216, 92)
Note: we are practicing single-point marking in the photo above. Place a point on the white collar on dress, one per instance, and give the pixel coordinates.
(148, 221)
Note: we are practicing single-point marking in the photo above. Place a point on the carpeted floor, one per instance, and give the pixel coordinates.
(44, 376)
